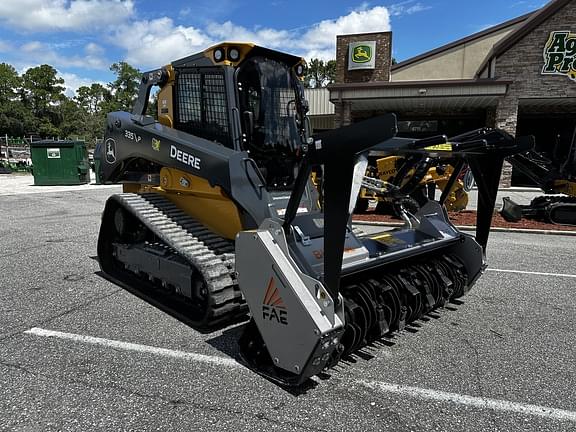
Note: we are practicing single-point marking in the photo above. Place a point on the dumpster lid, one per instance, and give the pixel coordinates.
(54, 143)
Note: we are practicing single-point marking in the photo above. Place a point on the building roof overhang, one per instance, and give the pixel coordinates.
(417, 95)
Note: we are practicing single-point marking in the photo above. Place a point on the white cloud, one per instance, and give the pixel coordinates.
(262, 36)
(153, 43)
(72, 82)
(32, 46)
(157, 42)
(320, 40)
(38, 53)
(93, 49)
(408, 7)
(78, 15)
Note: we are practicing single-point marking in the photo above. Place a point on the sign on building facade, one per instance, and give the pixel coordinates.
(560, 54)
(362, 55)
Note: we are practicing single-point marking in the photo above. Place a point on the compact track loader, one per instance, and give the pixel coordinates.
(219, 216)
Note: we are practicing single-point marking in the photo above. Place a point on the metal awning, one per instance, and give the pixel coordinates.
(418, 95)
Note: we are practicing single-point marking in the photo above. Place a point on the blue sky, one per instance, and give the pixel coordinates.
(82, 38)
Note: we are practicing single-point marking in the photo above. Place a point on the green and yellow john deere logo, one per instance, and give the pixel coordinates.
(362, 54)
(156, 144)
(560, 54)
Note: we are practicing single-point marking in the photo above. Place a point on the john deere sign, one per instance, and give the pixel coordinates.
(362, 55)
(560, 54)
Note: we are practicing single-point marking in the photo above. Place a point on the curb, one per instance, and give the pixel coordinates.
(473, 228)
(520, 189)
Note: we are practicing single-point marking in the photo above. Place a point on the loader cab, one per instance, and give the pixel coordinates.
(273, 112)
(244, 97)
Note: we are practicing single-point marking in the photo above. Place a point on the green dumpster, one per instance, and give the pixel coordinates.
(60, 162)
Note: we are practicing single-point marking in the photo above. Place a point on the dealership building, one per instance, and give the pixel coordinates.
(519, 76)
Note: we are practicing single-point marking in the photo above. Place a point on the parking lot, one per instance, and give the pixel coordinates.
(79, 353)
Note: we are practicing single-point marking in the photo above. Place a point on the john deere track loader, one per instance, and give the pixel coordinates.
(219, 217)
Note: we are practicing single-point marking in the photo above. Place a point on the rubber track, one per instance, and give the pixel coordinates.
(208, 253)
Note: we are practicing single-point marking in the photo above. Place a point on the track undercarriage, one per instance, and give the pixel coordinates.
(150, 246)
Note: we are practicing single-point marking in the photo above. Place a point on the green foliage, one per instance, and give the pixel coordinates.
(35, 103)
(125, 88)
(10, 82)
(320, 74)
(42, 88)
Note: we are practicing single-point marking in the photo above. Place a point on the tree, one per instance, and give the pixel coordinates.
(13, 115)
(92, 98)
(125, 88)
(93, 101)
(74, 120)
(10, 82)
(320, 74)
(42, 88)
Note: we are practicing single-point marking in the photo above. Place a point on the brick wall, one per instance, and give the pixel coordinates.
(522, 64)
(383, 58)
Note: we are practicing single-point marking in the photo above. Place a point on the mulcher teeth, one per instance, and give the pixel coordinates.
(380, 306)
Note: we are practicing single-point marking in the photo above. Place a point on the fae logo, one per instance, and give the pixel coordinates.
(560, 54)
(273, 307)
(362, 54)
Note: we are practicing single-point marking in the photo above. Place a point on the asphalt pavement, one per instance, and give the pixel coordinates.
(79, 353)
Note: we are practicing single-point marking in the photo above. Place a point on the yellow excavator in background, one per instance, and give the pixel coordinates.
(398, 171)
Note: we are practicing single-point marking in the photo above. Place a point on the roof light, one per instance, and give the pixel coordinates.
(234, 54)
(300, 70)
(218, 54)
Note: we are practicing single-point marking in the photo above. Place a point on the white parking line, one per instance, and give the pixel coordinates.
(533, 273)
(416, 392)
(472, 401)
(127, 346)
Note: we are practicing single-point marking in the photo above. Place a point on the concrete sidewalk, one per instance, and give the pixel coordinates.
(16, 184)
(518, 195)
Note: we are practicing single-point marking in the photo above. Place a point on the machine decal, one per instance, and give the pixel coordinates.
(560, 54)
(185, 158)
(156, 144)
(132, 136)
(273, 307)
(164, 108)
(388, 239)
(440, 147)
(184, 182)
(110, 146)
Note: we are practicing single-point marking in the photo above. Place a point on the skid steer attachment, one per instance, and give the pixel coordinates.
(310, 307)
(219, 216)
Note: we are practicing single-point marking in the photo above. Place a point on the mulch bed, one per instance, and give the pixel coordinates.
(468, 218)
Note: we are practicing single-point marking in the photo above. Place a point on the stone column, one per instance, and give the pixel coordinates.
(342, 114)
(506, 118)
